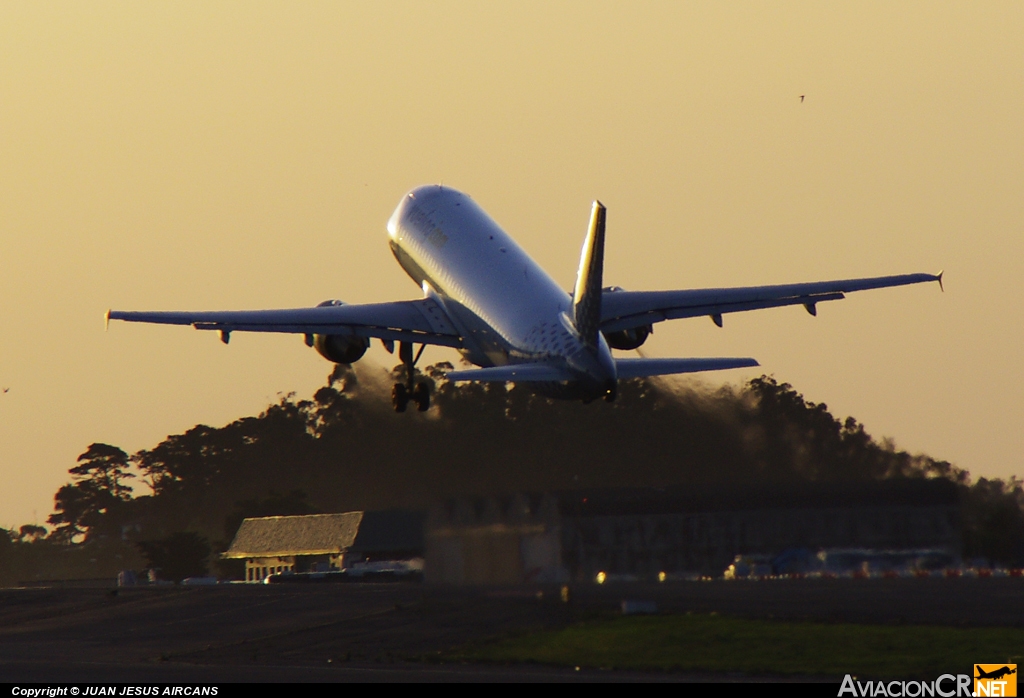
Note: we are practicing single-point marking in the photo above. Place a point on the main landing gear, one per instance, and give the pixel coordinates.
(402, 393)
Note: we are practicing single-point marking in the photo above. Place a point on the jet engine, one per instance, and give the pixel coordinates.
(339, 348)
(628, 339)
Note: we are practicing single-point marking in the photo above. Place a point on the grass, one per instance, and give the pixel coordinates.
(715, 643)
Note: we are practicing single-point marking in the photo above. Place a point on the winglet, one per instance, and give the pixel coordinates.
(938, 277)
(106, 320)
(586, 299)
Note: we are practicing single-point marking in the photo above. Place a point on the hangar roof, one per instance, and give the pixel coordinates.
(278, 536)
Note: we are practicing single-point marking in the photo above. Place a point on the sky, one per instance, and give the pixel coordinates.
(236, 155)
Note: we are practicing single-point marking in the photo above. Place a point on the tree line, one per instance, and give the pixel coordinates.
(345, 449)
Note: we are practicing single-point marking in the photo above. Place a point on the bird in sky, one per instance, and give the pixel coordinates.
(802, 97)
(6, 389)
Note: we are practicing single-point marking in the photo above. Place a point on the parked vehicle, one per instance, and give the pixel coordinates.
(746, 566)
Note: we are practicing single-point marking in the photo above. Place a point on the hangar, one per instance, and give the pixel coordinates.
(640, 533)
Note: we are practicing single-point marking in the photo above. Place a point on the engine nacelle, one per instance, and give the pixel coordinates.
(339, 348)
(628, 339)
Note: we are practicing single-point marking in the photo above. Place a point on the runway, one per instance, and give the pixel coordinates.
(401, 632)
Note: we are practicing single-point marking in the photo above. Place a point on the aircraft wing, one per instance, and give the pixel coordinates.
(420, 321)
(623, 310)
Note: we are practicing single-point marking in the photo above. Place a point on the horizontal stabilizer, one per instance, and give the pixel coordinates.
(513, 373)
(638, 368)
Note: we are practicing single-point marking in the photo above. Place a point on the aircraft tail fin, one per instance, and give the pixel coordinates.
(586, 299)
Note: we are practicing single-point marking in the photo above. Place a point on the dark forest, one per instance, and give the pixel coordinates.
(345, 449)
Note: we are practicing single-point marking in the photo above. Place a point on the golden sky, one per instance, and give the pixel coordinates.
(196, 155)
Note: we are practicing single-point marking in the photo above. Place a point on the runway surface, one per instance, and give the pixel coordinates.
(399, 632)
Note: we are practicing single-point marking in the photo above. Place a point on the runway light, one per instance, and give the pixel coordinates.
(601, 576)
(662, 576)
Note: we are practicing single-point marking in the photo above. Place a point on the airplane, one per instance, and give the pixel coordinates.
(485, 297)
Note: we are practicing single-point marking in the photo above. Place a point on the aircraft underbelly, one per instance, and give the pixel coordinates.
(501, 295)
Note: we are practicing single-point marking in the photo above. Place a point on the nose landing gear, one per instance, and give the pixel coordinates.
(403, 393)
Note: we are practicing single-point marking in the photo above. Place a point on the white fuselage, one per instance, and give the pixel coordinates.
(505, 306)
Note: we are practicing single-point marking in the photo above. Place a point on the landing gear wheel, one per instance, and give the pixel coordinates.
(399, 397)
(421, 396)
(403, 392)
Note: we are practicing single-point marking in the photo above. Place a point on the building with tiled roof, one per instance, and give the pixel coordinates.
(324, 542)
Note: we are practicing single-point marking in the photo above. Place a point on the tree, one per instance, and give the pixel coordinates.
(349, 450)
(180, 555)
(993, 522)
(30, 533)
(183, 461)
(99, 490)
(108, 467)
(275, 504)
